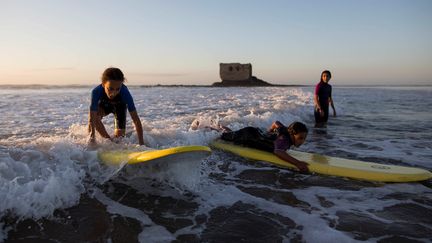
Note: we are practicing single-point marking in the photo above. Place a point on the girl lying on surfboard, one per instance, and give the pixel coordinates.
(112, 96)
(276, 140)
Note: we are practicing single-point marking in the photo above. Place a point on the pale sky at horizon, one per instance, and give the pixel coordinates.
(182, 42)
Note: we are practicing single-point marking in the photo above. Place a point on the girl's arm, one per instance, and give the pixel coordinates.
(317, 104)
(138, 126)
(302, 166)
(275, 125)
(95, 123)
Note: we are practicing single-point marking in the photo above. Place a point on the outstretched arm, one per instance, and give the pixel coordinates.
(138, 126)
(302, 166)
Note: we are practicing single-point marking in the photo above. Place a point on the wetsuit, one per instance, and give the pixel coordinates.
(323, 91)
(278, 139)
(117, 106)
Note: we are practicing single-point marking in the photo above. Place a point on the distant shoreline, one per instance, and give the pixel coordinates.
(47, 86)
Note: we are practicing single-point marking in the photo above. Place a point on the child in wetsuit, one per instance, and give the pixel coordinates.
(277, 140)
(322, 99)
(112, 96)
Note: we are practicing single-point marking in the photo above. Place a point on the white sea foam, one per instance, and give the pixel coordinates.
(151, 232)
(45, 165)
(39, 178)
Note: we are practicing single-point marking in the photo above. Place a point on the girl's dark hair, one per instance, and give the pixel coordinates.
(297, 127)
(327, 72)
(112, 73)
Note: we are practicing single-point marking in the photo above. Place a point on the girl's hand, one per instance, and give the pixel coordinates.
(320, 111)
(302, 166)
(91, 143)
(116, 139)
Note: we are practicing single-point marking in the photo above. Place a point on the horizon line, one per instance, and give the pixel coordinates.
(21, 86)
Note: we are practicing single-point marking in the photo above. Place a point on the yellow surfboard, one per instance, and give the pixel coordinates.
(333, 166)
(117, 157)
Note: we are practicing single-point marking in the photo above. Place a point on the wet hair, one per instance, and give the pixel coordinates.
(112, 73)
(297, 127)
(327, 72)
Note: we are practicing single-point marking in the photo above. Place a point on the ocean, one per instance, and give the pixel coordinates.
(54, 189)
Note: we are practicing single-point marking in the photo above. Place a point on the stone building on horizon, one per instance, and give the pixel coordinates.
(235, 71)
(237, 74)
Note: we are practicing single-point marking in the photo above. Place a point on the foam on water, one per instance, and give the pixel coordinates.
(151, 233)
(315, 228)
(45, 164)
(315, 223)
(35, 181)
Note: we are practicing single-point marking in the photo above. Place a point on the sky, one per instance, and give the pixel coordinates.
(362, 42)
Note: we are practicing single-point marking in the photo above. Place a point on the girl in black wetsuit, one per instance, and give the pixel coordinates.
(277, 140)
(322, 99)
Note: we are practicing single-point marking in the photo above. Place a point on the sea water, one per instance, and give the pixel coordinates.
(53, 187)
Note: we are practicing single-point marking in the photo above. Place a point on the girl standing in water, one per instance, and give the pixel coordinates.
(322, 99)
